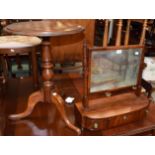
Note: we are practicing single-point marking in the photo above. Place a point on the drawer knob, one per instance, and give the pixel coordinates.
(95, 125)
(124, 117)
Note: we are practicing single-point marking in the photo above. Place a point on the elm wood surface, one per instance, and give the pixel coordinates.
(45, 29)
(45, 120)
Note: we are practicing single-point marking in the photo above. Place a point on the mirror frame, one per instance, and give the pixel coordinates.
(87, 70)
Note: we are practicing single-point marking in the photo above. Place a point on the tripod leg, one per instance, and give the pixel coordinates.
(32, 101)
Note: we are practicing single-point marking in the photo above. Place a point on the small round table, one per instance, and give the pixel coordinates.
(18, 44)
(45, 29)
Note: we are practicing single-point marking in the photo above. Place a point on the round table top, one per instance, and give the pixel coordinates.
(45, 28)
(8, 42)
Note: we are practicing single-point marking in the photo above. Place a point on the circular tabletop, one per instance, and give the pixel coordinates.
(17, 44)
(7, 42)
(45, 28)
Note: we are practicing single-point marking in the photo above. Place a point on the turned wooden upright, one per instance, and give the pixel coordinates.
(119, 33)
(47, 71)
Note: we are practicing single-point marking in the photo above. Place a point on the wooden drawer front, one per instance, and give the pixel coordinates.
(127, 118)
(105, 123)
(97, 124)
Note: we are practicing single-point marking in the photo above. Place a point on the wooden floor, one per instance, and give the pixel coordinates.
(45, 119)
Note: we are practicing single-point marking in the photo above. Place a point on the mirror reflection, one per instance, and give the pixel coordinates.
(114, 69)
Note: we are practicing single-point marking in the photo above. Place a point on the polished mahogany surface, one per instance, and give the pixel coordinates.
(45, 119)
(45, 28)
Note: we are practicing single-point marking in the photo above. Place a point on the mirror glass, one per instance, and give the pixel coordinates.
(113, 69)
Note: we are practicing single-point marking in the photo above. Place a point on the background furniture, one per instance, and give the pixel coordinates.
(16, 64)
(20, 64)
(18, 44)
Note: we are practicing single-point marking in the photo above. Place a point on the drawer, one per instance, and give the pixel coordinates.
(97, 124)
(105, 123)
(126, 118)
